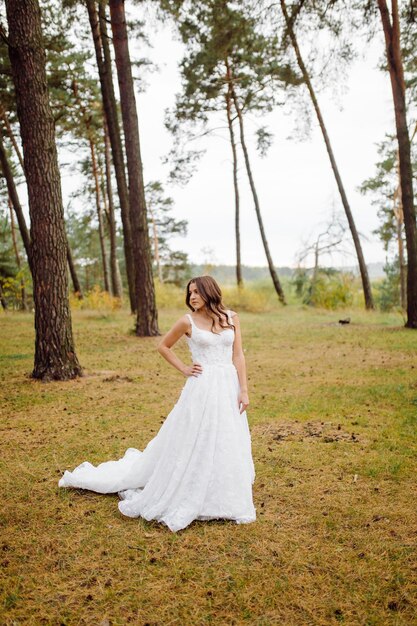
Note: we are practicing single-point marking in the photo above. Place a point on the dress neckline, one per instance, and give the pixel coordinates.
(203, 330)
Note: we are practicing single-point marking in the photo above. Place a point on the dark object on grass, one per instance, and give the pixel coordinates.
(345, 321)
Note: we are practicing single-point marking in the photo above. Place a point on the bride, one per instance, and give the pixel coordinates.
(199, 465)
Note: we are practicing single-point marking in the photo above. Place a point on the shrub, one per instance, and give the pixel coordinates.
(254, 297)
(95, 300)
(329, 289)
(388, 290)
(169, 295)
(12, 289)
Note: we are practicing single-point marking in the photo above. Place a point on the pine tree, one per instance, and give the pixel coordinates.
(55, 356)
(366, 283)
(230, 66)
(147, 316)
(102, 53)
(171, 265)
(391, 26)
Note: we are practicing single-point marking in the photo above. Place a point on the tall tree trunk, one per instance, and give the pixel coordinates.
(116, 286)
(14, 198)
(10, 134)
(74, 277)
(15, 202)
(86, 116)
(87, 278)
(399, 222)
(366, 284)
(147, 316)
(55, 356)
(100, 38)
(99, 216)
(156, 245)
(402, 263)
(3, 300)
(119, 276)
(272, 270)
(239, 278)
(119, 162)
(105, 217)
(391, 27)
(17, 255)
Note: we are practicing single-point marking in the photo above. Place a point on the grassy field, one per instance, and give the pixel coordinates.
(333, 422)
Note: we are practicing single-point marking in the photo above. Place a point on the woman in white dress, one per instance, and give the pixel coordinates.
(199, 465)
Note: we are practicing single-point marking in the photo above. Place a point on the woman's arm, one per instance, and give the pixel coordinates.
(164, 347)
(240, 364)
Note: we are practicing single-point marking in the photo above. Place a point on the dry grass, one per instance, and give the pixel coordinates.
(334, 538)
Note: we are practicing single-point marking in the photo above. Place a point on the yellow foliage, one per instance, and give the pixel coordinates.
(169, 296)
(332, 292)
(96, 300)
(254, 299)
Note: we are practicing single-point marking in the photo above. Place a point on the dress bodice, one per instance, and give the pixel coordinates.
(208, 348)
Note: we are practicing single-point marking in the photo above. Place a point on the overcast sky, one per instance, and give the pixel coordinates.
(295, 183)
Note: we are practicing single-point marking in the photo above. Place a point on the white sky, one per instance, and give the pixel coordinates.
(295, 183)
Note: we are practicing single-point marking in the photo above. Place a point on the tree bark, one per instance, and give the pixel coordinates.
(86, 116)
(366, 284)
(239, 279)
(315, 270)
(391, 27)
(147, 316)
(403, 266)
(74, 277)
(17, 255)
(14, 198)
(55, 357)
(15, 202)
(3, 300)
(156, 245)
(272, 270)
(119, 276)
(399, 222)
(87, 279)
(10, 134)
(100, 217)
(100, 38)
(116, 286)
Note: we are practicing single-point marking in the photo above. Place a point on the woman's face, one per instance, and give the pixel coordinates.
(196, 300)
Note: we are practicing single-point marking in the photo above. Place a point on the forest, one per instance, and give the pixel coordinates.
(93, 271)
(116, 232)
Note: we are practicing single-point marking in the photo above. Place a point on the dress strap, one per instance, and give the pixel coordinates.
(192, 326)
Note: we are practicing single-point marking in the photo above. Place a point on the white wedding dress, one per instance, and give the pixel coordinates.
(199, 465)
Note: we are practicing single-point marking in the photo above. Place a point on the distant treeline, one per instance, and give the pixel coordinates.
(226, 274)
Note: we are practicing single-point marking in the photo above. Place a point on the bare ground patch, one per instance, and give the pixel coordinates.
(295, 430)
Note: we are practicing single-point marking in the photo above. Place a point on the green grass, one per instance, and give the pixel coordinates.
(333, 421)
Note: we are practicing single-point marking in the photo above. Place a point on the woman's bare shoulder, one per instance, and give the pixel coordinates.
(184, 320)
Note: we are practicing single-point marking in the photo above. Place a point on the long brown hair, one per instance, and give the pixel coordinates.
(211, 293)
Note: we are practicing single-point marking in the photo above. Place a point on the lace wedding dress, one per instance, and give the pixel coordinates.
(199, 465)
